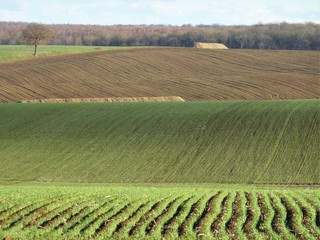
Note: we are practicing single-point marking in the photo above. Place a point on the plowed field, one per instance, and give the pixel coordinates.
(169, 213)
(193, 74)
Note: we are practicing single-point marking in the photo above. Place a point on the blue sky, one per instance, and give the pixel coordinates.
(173, 12)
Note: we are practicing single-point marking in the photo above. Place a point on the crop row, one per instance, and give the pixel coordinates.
(236, 214)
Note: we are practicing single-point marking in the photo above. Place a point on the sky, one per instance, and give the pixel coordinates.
(169, 12)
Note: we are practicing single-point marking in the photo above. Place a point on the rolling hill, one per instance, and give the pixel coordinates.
(263, 142)
(193, 74)
(245, 168)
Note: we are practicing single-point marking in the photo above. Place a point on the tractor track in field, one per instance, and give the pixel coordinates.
(193, 211)
(88, 215)
(167, 227)
(289, 222)
(152, 225)
(276, 224)
(32, 212)
(144, 217)
(233, 221)
(35, 221)
(73, 216)
(100, 217)
(58, 216)
(314, 205)
(121, 225)
(209, 209)
(248, 223)
(4, 211)
(306, 218)
(42, 212)
(216, 225)
(106, 223)
(17, 213)
(263, 215)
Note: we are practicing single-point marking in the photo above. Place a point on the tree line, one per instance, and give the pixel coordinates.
(304, 36)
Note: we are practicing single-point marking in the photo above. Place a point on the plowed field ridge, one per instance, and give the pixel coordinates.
(193, 74)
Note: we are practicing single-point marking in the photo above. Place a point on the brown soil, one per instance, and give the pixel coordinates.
(231, 225)
(32, 212)
(83, 218)
(216, 225)
(153, 208)
(193, 211)
(290, 218)
(17, 213)
(248, 223)
(263, 216)
(38, 219)
(73, 216)
(193, 74)
(168, 226)
(306, 219)
(153, 224)
(125, 221)
(276, 225)
(4, 211)
(105, 224)
(98, 218)
(209, 209)
(317, 208)
(57, 217)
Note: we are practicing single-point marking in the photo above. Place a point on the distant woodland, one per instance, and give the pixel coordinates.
(260, 36)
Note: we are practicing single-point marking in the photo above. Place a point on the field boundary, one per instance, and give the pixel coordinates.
(115, 99)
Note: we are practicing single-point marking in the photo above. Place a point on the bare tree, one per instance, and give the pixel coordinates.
(36, 34)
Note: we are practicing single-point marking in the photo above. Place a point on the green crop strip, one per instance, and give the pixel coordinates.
(154, 142)
(11, 53)
(158, 212)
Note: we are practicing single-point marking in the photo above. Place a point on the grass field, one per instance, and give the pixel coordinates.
(11, 53)
(139, 212)
(193, 74)
(265, 142)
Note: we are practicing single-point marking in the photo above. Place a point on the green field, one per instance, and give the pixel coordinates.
(169, 212)
(160, 170)
(243, 142)
(11, 53)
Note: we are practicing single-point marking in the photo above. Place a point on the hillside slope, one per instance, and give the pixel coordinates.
(193, 74)
(184, 142)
